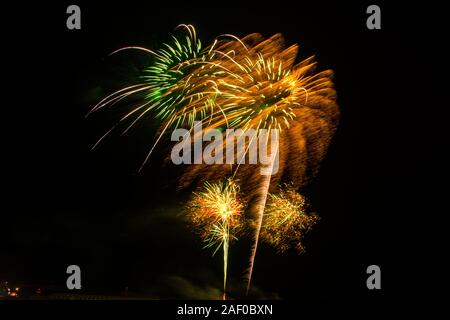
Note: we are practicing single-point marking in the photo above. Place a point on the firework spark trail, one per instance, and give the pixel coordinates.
(258, 209)
(215, 213)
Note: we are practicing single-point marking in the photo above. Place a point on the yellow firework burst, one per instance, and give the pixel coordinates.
(216, 212)
(286, 220)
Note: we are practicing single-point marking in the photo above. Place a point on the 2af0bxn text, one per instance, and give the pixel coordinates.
(226, 309)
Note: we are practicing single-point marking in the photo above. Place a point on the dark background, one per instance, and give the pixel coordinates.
(377, 191)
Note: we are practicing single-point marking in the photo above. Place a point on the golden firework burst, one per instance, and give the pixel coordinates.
(216, 212)
(287, 220)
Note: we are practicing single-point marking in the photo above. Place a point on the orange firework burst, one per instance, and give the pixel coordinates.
(216, 212)
(286, 220)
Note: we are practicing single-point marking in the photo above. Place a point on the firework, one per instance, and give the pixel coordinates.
(286, 220)
(215, 213)
(243, 83)
(178, 88)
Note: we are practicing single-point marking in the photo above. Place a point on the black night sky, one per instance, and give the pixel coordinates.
(63, 204)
